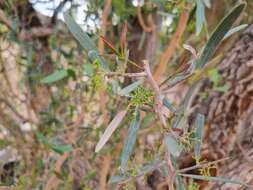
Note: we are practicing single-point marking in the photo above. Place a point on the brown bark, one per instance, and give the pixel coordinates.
(229, 124)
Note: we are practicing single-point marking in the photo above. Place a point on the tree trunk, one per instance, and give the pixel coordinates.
(229, 116)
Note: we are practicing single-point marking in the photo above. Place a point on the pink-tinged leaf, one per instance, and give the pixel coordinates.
(110, 129)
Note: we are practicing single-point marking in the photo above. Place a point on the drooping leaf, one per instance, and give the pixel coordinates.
(55, 76)
(84, 39)
(218, 179)
(218, 34)
(234, 30)
(110, 129)
(172, 145)
(199, 125)
(125, 91)
(130, 140)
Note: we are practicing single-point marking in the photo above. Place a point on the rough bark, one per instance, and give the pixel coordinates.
(229, 127)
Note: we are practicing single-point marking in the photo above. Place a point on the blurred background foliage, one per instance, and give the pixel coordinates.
(55, 103)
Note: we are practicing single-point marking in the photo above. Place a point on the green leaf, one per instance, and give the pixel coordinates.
(118, 178)
(219, 34)
(88, 69)
(200, 16)
(223, 88)
(148, 119)
(110, 129)
(234, 30)
(180, 183)
(218, 179)
(214, 76)
(84, 39)
(199, 125)
(125, 91)
(55, 76)
(59, 148)
(131, 139)
(172, 145)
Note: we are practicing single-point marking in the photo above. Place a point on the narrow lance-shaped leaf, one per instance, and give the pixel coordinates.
(199, 125)
(172, 145)
(200, 16)
(84, 39)
(125, 91)
(110, 129)
(180, 183)
(131, 139)
(55, 76)
(218, 179)
(219, 34)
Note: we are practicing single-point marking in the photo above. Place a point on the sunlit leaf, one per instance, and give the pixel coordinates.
(218, 34)
(110, 129)
(172, 145)
(131, 138)
(199, 125)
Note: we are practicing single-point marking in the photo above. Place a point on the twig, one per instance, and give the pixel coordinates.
(166, 56)
(105, 14)
(106, 163)
(142, 23)
(13, 109)
(172, 172)
(107, 159)
(158, 97)
(202, 165)
(53, 181)
(141, 74)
